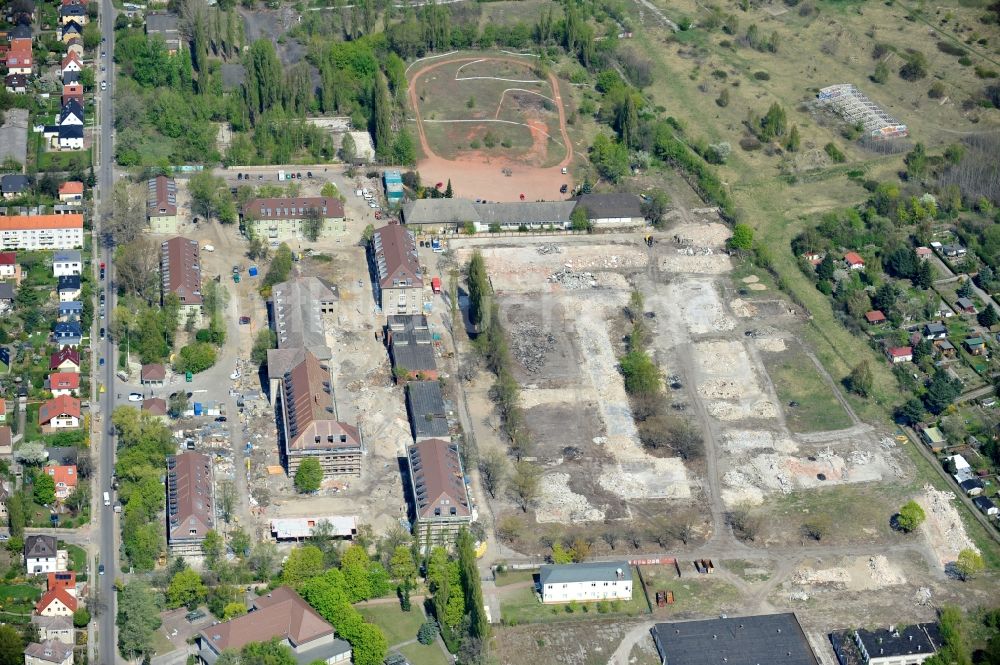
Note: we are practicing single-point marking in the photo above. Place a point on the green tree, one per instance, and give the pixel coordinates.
(579, 220)
(354, 565)
(654, 207)
(910, 516)
(186, 589)
(309, 476)
(81, 618)
(448, 191)
(742, 238)
(281, 266)
(479, 288)
(916, 162)
(273, 652)
(312, 224)
(348, 149)
(401, 565)
(213, 548)
(774, 123)
(233, 610)
(641, 375)
(988, 317)
(196, 357)
(941, 391)
(382, 117)
(525, 484)
(303, 563)
(794, 140)
(969, 563)
(177, 404)
(266, 339)
(627, 121)
(881, 74)
(560, 554)
(138, 618)
(44, 489)
(479, 627)
(11, 646)
(861, 380)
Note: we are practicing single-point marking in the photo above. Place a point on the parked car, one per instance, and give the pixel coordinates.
(309, 174)
(135, 397)
(239, 176)
(101, 363)
(104, 85)
(100, 569)
(102, 333)
(221, 419)
(564, 189)
(244, 320)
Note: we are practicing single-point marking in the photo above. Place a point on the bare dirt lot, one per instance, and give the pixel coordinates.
(504, 104)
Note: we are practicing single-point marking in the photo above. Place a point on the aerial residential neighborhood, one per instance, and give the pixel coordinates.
(492, 333)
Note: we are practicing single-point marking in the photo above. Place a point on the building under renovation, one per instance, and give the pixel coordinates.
(854, 106)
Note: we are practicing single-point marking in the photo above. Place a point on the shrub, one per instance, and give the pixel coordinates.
(910, 516)
(762, 76)
(719, 74)
(965, 61)
(936, 90)
(951, 49)
(915, 67)
(750, 143)
(427, 633)
(475, 144)
(835, 153)
(984, 73)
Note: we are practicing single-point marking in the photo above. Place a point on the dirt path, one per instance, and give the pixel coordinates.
(621, 654)
(480, 177)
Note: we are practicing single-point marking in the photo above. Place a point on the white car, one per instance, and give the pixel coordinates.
(104, 85)
(372, 205)
(135, 397)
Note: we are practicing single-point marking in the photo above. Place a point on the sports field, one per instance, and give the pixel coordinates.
(495, 126)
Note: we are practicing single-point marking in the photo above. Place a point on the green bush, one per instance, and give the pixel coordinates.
(762, 76)
(834, 153)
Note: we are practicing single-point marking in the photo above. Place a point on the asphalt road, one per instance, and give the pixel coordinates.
(108, 534)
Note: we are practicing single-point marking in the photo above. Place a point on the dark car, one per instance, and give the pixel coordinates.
(100, 569)
(309, 174)
(244, 320)
(102, 273)
(221, 419)
(564, 189)
(102, 333)
(239, 176)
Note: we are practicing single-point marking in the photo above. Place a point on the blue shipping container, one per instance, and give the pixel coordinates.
(253, 271)
(197, 408)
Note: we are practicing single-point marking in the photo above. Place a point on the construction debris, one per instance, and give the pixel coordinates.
(549, 248)
(922, 596)
(530, 343)
(573, 280)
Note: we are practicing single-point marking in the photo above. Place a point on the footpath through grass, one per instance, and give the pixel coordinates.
(797, 381)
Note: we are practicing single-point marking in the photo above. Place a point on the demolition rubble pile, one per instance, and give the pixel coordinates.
(529, 344)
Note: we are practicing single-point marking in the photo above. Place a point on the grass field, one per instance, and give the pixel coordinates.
(522, 606)
(796, 379)
(161, 644)
(398, 626)
(420, 654)
(694, 594)
(17, 602)
(514, 576)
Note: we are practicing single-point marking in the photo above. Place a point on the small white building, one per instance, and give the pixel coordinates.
(300, 528)
(585, 582)
(66, 263)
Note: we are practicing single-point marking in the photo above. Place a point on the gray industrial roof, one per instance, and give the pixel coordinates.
(460, 211)
(297, 306)
(771, 639)
(921, 638)
(598, 571)
(410, 343)
(425, 405)
(604, 206)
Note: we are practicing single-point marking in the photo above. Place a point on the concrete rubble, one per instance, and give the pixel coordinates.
(573, 280)
(549, 248)
(529, 344)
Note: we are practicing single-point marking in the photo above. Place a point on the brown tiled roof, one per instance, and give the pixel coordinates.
(156, 406)
(162, 197)
(309, 409)
(396, 256)
(189, 496)
(293, 208)
(6, 440)
(438, 483)
(58, 593)
(61, 356)
(282, 613)
(53, 651)
(180, 269)
(57, 406)
(153, 372)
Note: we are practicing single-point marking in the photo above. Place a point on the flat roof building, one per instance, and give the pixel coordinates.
(909, 645)
(439, 215)
(300, 528)
(190, 504)
(426, 410)
(585, 582)
(769, 639)
(411, 348)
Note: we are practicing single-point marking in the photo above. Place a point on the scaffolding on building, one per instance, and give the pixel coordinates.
(854, 106)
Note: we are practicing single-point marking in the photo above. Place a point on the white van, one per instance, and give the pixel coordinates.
(107, 499)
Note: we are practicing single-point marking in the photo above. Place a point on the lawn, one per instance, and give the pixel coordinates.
(78, 558)
(65, 161)
(17, 601)
(420, 654)
(161, 644)
(694, 594)
(514, 576)
(398, 626)
(796, 379)
(32, 432)
(522, 606)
